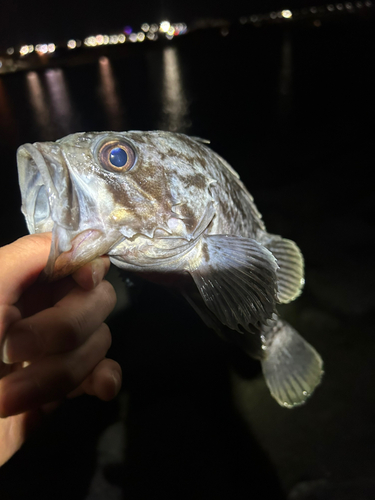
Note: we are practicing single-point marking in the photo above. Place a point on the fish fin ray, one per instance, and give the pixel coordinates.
(290, 274)
(217, 277)
(291, 366)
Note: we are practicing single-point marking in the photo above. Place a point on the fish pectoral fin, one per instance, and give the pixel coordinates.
(291, 366)
(236, 278)
(290, 274)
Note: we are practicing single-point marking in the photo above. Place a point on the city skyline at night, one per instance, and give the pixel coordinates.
(24, 22)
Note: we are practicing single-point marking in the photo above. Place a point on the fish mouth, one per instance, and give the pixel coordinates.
(48, 194)
(51, 202)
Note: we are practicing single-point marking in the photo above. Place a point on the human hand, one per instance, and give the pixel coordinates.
(53, 340)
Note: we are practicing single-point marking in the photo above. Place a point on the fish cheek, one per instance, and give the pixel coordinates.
(119, 193)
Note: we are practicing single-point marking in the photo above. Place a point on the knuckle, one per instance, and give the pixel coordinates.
(73, 332)
(39, 337)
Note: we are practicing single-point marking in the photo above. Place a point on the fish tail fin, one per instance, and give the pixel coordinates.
(291, 366)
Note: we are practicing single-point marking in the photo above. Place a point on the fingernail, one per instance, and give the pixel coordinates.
(21, 346)
(4, 353)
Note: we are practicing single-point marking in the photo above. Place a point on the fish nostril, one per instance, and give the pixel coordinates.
(42, 210)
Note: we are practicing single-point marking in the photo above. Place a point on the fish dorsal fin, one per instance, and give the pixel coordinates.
(290, 274)
(236, 278)
(199, 139)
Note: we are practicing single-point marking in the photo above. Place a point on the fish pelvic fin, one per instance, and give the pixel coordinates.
(236, 278)
(291, 366)
(290, 274)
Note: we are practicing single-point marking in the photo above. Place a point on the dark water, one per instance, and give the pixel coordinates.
(292, 111)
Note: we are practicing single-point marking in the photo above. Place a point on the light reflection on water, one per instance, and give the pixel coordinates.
(7, 121)
(174, 101)
(60, 100)
(51, 104)
(109, 95)
(102, 104)
(39, 105)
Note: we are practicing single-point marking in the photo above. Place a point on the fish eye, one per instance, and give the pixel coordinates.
(116, 156)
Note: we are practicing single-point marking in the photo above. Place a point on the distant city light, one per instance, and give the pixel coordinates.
(167, 30)
(24, 50)
(286, 14)
(90, 41)
(164, 26)
(180, 28)
(41, 48)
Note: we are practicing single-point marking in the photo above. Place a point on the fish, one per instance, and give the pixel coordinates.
(165, 206)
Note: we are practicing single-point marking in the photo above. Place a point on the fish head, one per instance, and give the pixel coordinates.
(115, 193)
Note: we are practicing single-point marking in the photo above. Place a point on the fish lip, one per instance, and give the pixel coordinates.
(61, 264)
(43, 164)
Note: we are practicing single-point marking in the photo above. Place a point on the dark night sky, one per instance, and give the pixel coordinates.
(24, 21)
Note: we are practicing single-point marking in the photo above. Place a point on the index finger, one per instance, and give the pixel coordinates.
(21, 263)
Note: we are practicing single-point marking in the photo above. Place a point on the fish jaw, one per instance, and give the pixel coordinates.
(51, 202)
